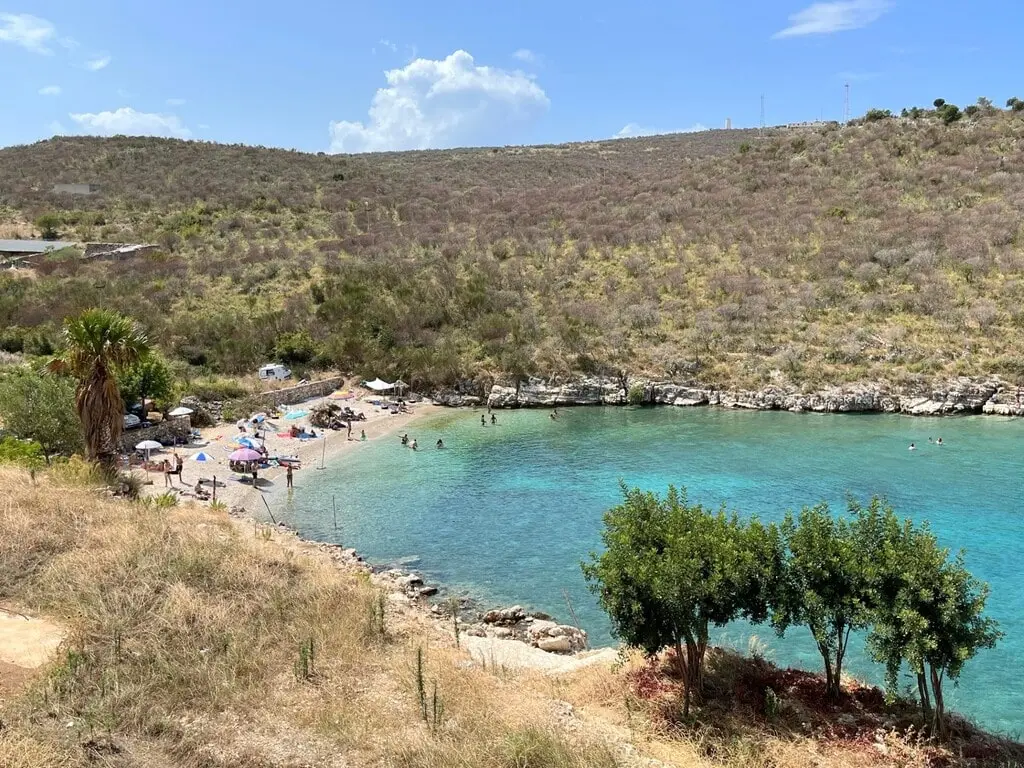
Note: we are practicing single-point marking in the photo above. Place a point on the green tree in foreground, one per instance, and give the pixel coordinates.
(826, 586)
(41, 409)
(150, 378)
(99, 345)
(670, 570)
(928, 609)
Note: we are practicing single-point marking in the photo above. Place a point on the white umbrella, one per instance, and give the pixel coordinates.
(147, 446)
(181, 411)
(203, 457)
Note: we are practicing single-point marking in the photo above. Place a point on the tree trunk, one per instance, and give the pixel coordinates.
(939, 713)
(684, 674)
(842, 639)
(922, 691)
(830, 683)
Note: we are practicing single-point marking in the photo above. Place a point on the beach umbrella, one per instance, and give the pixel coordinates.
(202, 457)
(147, 446)
(292, 415)
(245, 454)
(247, 442)
(181, 411)
(258, 417)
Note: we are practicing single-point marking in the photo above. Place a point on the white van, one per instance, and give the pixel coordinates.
(274, 371)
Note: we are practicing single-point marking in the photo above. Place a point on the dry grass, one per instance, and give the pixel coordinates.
(184, 650)
(185, 634)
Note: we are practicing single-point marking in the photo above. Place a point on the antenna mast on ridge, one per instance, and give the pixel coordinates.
(846, 103)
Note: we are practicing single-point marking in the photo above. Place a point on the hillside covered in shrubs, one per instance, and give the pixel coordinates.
(889, 250)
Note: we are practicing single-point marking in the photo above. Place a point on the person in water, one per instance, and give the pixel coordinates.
(494, 419)
(483, 420)
(405, 439)
(440, 443)
(912, 447)
(939, 441)
(362, 435)
(412, 444)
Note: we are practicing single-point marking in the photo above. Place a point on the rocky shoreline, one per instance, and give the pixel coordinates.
(989, 395)
(405, 589)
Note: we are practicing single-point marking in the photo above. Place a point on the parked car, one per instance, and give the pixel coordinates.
(131, 421)
(274, 371)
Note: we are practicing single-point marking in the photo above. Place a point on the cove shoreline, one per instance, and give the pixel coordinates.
(511, 637)
(988, 395)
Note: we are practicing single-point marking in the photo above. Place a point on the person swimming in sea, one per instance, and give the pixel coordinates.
(494, 419)
(405, 439)
(912, 447)
(412, 444)
(939, 441)
(440, 443)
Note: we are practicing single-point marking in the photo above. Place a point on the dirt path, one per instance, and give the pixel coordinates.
(26, 643)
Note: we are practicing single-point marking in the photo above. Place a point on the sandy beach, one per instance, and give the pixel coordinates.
(328, 447)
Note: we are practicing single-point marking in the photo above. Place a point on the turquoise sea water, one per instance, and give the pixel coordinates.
(507, 512)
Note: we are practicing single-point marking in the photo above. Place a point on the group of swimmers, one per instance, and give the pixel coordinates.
(913, 447)
(411, 443)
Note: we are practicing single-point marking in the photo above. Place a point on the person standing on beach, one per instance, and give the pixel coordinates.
(362, 435)
(166, 467)
(349, 436)
(288, 476)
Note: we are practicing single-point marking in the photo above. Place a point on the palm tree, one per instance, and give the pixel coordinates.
(99, 345)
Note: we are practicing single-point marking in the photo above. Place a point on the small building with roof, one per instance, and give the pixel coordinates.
(16, 251)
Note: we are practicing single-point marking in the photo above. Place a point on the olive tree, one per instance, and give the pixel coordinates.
(149, 378)
(42, 409)
(928, 609)
(670, 570)
(825, 587)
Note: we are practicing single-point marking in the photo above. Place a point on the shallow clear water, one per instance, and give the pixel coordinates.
(507, 512)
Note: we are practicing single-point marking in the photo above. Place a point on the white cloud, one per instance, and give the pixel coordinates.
(175, 102)
(634, 130)
(50, 90)
(98, 62)
(28, 31)
(443, 103)
(131, 123)
(526, 56)
(840, 16)
(388, 44)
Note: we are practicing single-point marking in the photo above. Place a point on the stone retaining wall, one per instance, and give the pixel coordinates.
(296, 394)
(171, 429)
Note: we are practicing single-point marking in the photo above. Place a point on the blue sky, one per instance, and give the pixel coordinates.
(340, 76)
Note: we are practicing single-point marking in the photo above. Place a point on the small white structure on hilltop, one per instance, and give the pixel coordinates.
(76, 189)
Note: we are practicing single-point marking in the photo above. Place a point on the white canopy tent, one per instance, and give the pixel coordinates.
(378, 385)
